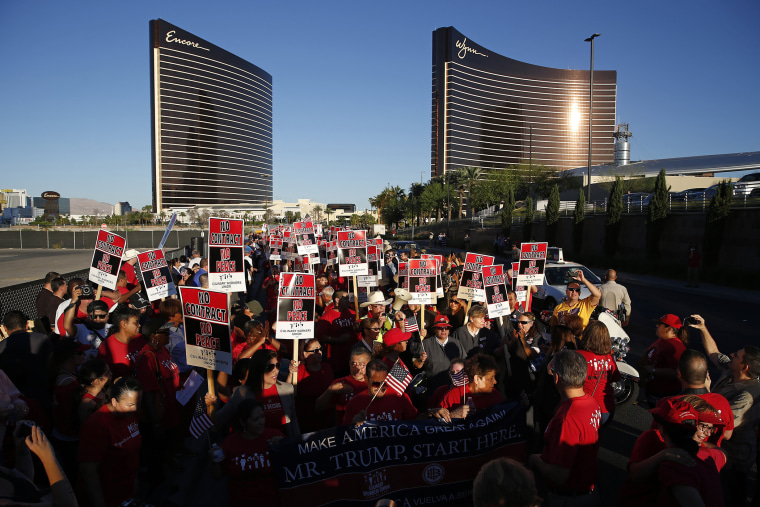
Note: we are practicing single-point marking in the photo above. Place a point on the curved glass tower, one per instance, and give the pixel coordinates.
(490, 111)
(212, 123)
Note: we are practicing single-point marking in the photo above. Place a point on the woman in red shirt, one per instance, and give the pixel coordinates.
(659, 364)
(314, 377)
(247, 459)
(478, 393)
(109, 451)
(93, 377)
(596, 348)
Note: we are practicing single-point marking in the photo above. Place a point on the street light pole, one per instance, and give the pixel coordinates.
(590, 112)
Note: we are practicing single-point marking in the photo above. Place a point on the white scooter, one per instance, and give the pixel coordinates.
(627, 388)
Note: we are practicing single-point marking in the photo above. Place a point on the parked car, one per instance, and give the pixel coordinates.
(684, 195)
(636, 200)
(555, 282)
(406, 246)
(705, 194)
(746, 184)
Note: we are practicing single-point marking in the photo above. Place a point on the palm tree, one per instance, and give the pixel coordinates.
(470, 176)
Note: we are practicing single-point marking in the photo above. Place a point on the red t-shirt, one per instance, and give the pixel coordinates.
(113, 440)
(340, 401)
(65, 419)
(703, 476)
(453, 398)
(335, 323)
(647, 445)
(571, 441)
(665, 354)
(600, 372)
(387, 408)
(247, 464)
(121, 357)
(157, 373)
(273, 412)
(311, 385)
(437, 398)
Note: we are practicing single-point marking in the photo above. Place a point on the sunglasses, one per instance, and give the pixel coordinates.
(270, 367)
(572, 289)
(313, 351)
(377, 384)
(99, 316)
(525, 322)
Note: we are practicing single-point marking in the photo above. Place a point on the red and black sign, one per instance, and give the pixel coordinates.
(207, 328)
(226, 269)
(352, 253)
(295, 306)
(157, 277)
(106, 260)
(471, 283)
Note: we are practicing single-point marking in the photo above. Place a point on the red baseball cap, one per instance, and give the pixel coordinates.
(675, 410)
(670, 320)
(441, 321)
(395, 336)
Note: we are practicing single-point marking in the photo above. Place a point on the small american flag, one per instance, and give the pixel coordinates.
(459, 379)
(410, 325)
(200, 421)
(398, 378)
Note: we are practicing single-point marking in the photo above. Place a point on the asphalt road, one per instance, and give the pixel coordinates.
(25, 265)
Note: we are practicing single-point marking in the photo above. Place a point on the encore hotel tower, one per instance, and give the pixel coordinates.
(490, 111)
(212, 123)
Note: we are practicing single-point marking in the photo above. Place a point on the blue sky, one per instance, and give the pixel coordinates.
(352, 82)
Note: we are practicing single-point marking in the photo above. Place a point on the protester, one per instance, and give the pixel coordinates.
(313, 377)
(376, 403)
(261, 384)
(369, 332)
(659, 364)
(25, 357)
(439, 353)
(394, 343)
(479, 392)
(94, 329)
(573, 305)
(342, 390)
(120, 349)
(94, 376)
(456, 378)
(456, 313)
(740, 384)
(159, 377)
(109, 448)
(568, 463)
(336, 330)
(615, 298)
(68, 357)
(596, 348)
(50, 298)
(525, 346)
(503, 482)
(474, 336)
(247, 462)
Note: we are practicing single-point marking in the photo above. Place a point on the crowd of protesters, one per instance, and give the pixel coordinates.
(91, 389)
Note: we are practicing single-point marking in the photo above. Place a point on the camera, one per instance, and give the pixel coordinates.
(86, 292)
(687, 321)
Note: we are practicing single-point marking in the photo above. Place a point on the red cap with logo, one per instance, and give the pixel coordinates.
(395, 336)
(441, 321)
(670, 320)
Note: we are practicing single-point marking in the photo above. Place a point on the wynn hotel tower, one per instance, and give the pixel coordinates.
(490, 111)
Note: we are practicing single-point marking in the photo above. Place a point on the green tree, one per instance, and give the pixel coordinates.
(470, 177)
(656, 216)
(579, 215)
(507, 211)
(316, 213)
(528, 223)
(612, 222)
(717, 222)
(552, 215)
(433, 199)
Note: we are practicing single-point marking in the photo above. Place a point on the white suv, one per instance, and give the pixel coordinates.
(746, 184)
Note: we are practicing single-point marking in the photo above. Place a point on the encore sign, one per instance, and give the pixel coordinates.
(106, 260)
(226, 269)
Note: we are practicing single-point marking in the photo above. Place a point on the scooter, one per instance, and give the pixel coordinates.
(626, 390)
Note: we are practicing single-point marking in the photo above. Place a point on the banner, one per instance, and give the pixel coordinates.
(521, 292)
(106, 259)
(157, 276)
(412, 462)
(275, 247)
(226, 269)
(207, 328)
(352, 253)
(439, 278)
(471, 283)
(307, 241)
(422, 281)
(295, 306)
(532, 264)
(494, 280)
